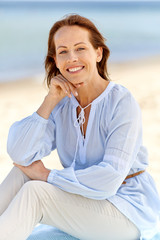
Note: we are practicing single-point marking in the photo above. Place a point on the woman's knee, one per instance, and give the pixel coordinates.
(18, 171)
(46, 193)
(37, 189)
(33, 186)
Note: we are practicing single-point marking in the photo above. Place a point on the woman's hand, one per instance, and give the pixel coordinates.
(61, 87)
(35, 171)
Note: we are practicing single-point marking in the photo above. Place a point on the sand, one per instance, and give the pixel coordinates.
(21, 98)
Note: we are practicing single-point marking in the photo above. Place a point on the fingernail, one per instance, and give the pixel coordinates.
(76, 93)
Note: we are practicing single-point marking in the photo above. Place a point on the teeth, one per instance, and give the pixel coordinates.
(74, 69)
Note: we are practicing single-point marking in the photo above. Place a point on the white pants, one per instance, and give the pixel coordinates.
(24, 203)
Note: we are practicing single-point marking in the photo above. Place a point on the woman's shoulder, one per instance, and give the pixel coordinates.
(119, 92)
(119, 89)
(120, 97)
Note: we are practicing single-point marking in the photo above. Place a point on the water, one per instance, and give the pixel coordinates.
(131, 29)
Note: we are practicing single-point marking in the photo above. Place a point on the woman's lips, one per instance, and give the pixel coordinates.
(73, 70)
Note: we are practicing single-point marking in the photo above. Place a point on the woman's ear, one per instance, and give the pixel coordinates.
(99, 54)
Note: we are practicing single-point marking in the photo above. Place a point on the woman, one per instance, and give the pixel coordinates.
(103, 192)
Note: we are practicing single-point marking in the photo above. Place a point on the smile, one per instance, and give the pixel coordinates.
(75, 69)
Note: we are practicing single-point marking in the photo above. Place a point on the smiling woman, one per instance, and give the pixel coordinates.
(93, 36)
(96, 127)
(77, 59)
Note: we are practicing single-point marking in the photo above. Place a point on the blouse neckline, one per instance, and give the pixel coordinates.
(96, 100)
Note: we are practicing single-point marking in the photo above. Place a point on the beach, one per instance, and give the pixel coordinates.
(21, 98)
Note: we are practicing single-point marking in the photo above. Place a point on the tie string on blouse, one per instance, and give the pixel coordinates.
(79, 123)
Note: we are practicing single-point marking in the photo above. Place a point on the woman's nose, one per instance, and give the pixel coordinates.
(72, 57)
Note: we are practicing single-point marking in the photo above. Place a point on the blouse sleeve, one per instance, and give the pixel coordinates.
(31, 139)
(121, 147)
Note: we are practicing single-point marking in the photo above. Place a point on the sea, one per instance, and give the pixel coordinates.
(131, 30)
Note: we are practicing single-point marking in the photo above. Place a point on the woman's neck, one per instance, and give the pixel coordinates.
(88, 92)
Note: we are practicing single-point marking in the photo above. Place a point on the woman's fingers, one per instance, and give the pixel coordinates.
(59, 84)
(69, 86)
(68, 89)
(73, 90)
(65, 85)
(17, 165)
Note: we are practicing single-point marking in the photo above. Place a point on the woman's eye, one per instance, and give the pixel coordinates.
(63, 52)
(80, 49)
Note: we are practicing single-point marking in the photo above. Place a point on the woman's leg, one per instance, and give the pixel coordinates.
(86, 219)
(80, 217)
(10, 186)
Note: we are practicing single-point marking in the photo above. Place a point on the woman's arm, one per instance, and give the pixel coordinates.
(33, 138)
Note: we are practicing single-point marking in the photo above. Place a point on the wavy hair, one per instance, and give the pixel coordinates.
(96, 39)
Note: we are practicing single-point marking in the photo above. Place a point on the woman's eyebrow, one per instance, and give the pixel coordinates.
(61, 47)
(74, 45)
(79, 43)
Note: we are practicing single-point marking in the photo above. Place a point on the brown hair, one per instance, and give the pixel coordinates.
(96, 39)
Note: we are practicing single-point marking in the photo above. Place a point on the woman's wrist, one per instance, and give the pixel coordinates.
(46, 174)
(47, 106)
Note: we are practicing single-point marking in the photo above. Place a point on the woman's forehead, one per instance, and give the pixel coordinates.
(71, 34)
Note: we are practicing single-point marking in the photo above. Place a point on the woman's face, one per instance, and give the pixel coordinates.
(75, 56)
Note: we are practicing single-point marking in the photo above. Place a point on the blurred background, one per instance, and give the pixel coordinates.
(132, 31)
